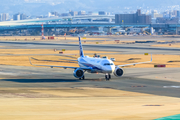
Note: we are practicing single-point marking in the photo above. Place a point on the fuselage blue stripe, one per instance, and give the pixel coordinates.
(90, 65)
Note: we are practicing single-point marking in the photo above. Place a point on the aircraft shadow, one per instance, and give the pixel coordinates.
(41, 80)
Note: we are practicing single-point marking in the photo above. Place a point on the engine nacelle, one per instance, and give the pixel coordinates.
(118, 72)
(78, 73)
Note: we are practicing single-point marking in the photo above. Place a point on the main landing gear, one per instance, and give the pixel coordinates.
(107, 77)
(82, 78)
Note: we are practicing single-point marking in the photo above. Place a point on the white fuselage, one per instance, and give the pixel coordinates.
(97, 65)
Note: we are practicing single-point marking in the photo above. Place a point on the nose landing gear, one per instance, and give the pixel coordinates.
(107, 77)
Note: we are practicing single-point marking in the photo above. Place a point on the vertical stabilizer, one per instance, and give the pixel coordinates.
(80, 48)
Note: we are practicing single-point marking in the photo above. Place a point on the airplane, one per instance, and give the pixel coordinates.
(94, 65)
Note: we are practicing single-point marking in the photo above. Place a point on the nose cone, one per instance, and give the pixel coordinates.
(110, 69)
(113, 68)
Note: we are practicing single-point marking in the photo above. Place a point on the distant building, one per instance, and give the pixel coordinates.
(65, 14)
(73, 13)
(4, 16)
(158, 15)
(0, 17)
(174, 13)
(92, 13)
(102, 13)
(49, 14)
(166, 14)
(55, 13)
(168, 20)
(23, 16)
(178, 13)
(133, 18)
(155, 14)
(40, 16)
(82, 13)
(108, 13)
(16, 16)
(135, 30)
(19, 16)
(153, 20)
(170, 14)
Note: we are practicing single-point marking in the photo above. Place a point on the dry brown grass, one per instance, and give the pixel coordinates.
(177, 45)
(83, 104)
(119, 41)
(19, 57)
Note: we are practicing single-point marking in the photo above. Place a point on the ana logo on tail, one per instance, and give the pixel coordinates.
(80, 48)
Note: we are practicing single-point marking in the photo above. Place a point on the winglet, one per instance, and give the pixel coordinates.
(151, 58)
(30, 61)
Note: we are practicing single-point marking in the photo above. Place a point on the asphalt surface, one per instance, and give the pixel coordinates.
(143, 80)
(138, 48)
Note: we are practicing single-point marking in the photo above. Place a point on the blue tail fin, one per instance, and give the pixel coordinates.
(80, 48)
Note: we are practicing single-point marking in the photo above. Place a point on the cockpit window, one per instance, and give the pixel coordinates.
(108, 64)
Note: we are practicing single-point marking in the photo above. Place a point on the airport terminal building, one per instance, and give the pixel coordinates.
(136, 18)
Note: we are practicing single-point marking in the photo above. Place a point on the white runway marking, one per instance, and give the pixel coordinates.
(6, 73)
(171, 86)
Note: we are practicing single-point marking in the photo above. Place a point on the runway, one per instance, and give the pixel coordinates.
(138, 48)
(142, 80)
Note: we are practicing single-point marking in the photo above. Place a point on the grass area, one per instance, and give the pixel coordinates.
(19, 57)
(83, 104)
(175, 45)
(119, 41)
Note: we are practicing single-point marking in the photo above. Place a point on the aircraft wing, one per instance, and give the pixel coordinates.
(68, 60)
(65, 67)
(135, 63)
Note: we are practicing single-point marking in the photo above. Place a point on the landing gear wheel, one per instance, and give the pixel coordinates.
(107, 77)
(82, 78)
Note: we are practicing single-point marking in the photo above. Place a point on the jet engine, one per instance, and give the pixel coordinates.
(78, 73)
(118, 72)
